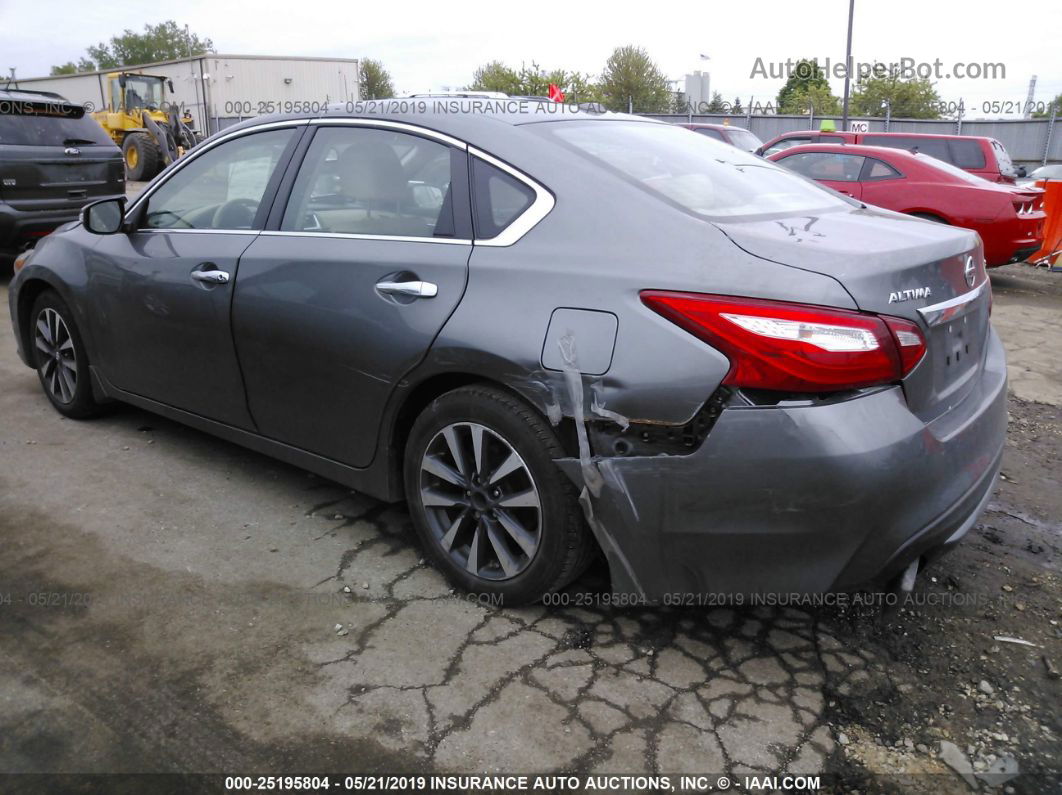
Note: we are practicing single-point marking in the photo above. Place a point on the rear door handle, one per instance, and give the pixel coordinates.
(211, 277)
(414, 289)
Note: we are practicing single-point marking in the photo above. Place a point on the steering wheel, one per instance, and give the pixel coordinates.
(235, 214)
(154, 219)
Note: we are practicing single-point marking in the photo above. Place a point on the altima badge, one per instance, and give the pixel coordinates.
(899, 296)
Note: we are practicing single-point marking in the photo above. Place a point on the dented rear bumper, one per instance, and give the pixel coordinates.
(801, 500)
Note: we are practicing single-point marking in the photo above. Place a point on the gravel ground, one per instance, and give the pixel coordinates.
(171, 602)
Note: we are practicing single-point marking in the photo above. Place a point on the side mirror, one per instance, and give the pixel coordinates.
(170, 84)
(121, 80)
(104, 217)
(1022, 172)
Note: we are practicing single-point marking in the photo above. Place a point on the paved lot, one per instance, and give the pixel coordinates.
(172, 602)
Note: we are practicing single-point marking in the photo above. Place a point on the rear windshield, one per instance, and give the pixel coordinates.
(42, 124)
(694, 172)
(1006, 167)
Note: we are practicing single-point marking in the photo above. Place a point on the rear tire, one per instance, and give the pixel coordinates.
(503, 521)
(60, 359)
(142, 157)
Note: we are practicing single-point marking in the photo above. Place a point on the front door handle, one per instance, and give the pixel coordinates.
(414, 289)
(211, 277)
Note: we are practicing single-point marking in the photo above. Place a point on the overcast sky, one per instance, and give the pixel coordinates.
(433, 45)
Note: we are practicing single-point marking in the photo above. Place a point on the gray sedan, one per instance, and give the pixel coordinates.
(557, 335)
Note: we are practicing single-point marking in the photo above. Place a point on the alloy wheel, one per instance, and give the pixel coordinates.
(56, 361)
(481, 501)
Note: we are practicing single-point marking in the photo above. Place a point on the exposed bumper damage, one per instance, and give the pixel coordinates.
(792, 499)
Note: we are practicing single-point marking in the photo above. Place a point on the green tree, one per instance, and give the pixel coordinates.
(496, 76)
(533, 81)
(374, 82)
(69, 68)
(805, 75)
(736, 108)
(717, 103)
(909, 99)
(165, 41)
(812, 98)
(1046, 113)
(631, 78)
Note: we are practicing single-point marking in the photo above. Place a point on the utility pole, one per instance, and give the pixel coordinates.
(888, 114)
(847, 66)
(1029, 99)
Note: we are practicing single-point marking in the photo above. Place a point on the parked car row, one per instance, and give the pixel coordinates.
(1010, 220)
(985, 157)
(963, 181)
(555, 338)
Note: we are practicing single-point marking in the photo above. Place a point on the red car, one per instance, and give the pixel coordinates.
(1009, 219)
(727, 133)
(985, 157)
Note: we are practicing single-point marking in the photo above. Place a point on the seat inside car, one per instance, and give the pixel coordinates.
(372, 179)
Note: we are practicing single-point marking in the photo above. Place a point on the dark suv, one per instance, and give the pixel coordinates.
(53, 161)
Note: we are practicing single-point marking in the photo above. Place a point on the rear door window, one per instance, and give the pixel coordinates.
(498, 199)
(966, 153)
(368, 181)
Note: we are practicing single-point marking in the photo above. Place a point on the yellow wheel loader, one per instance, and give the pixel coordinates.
(149, 130)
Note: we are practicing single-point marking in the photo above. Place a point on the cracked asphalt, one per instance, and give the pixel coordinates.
(172, 602)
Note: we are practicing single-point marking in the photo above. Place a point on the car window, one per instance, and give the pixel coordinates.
(697, 175)
(220, 189)
(785, 143)
(831, 139)
(826, 165)
(498, 199)
(967, 153)
(366, 181)
(1006, 167)
(955, 171)
(743, 139)
(48, 123)
(710, 133)
(878, 169)
(934, 147)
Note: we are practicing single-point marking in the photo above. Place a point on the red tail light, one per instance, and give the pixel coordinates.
(795, 347)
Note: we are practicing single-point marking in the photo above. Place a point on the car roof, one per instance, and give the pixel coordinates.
(888, 134)
(451, 115)
(26, 95)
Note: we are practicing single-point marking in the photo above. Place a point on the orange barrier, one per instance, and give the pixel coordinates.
(1053, 222)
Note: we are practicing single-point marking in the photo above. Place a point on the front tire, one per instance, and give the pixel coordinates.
(492, 509)
(142, 157)
(60, 358)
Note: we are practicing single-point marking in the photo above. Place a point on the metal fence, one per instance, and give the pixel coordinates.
(1029, 141)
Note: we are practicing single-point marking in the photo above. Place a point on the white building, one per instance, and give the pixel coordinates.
(220, 90)
(698, 91)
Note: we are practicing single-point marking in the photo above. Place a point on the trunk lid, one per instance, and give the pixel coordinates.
(893, 264)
